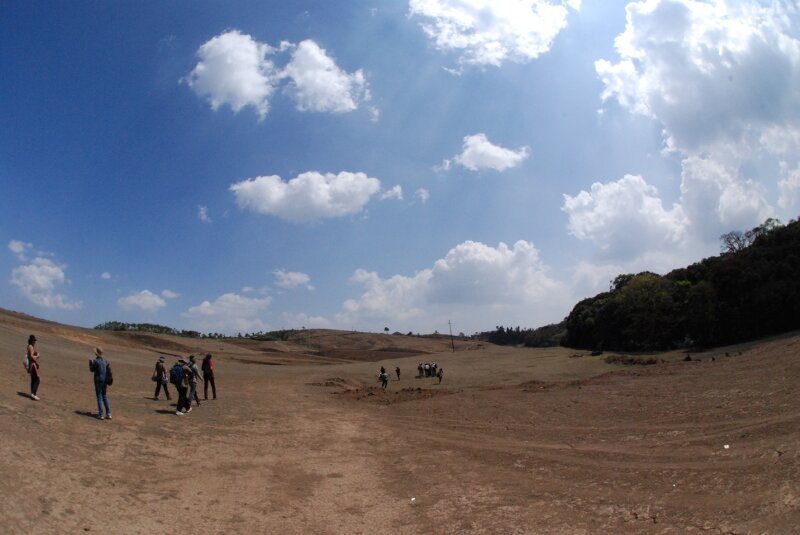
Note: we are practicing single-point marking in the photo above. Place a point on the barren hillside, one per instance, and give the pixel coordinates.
(303, 440)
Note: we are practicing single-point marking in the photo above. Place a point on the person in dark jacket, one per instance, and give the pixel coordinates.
(208, 376)
(32, 366)
(184, 403)
(99, 367)
(161, 378)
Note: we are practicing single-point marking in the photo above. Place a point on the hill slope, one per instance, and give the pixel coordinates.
(512, 441)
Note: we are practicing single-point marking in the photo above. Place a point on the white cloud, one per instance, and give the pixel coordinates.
(295, 321)
(489, 32)
(229, 313)
(169, 294)
(474, 285)
(202, 214)
(721, 77)
(318, 84)
(292, 279)
(443, 167)
(234, 70)
(144, 300)
(624, 218)
(630, 227)
(723, 80)
(38, 280)
(423, 195)
(479, 153)
(789, 186)
(309, 196)
(716, 200)
(105, 275)
(394, 193)
(20, 249)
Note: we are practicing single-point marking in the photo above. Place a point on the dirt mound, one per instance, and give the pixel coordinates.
(374, 394)
(338, 382)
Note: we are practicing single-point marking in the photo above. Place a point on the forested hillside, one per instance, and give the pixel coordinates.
(751, 290)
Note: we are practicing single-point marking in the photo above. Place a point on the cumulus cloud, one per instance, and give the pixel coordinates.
(20, 249)
(474, 283)
(479, 153)
(716, 200)
(169, 294)
(308, 197)
(720, 76)
(292, 279)
(632, 230)
(624, 218)
(723, 80)
(105, 275)
(144, 300)
(234, 70)
(318, 84)
(38, 279)
(423, 195)
(229, 313)
(394, 193)
(487, 32)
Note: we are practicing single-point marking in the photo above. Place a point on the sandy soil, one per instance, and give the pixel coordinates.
(302, 440)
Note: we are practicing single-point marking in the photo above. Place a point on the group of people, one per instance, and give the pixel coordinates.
(98, 366)
(427, 369)
(184, 375)
(430, 369)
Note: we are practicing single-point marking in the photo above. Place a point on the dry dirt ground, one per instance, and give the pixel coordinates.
(302, 440)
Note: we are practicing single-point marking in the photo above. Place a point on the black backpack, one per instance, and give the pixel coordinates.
(109, 376)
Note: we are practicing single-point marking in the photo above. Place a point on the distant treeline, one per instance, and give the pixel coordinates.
(751, 290)
(153, 328)
(547, 336)
(163, 329)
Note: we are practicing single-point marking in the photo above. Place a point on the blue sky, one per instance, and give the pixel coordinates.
(244, 166)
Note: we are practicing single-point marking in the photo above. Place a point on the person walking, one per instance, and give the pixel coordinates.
(179, 376)
(397, 371)
(161, 378)
(102, 372)
(208, 376)
(440, 375)
(384, 378)
(194, 377)
(32, 366)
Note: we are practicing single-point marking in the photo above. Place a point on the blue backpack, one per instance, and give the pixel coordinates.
(176, 374)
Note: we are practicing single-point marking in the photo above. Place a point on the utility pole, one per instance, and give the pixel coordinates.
(452, 343)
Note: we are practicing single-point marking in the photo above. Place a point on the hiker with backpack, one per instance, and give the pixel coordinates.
(194, 376)
(161, 378)
(179, 376)
(32, 366)
(102, 379)
(208, 377)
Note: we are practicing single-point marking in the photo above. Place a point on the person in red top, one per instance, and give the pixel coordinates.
(33, 367)
(208, 376)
